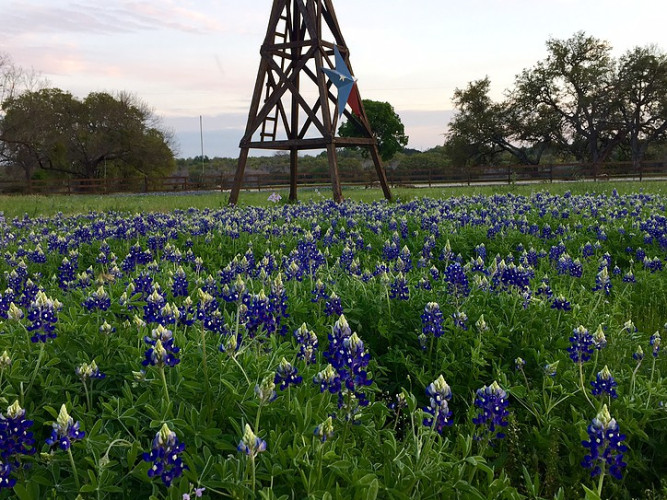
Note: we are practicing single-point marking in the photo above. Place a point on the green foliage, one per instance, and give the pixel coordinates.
(102, 135)
(385, 453)
(386, 125)
(579, 103)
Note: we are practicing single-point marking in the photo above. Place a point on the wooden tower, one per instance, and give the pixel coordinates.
(294, 106)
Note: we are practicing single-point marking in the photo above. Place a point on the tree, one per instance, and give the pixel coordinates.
(51, 130)
(642, 88)
(577, 84)
(385, 123)
(483, 129)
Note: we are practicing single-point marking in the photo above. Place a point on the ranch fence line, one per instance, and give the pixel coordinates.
(422, 177)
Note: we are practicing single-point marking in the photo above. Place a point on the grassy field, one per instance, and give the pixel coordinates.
(484, 342)
(13, 206)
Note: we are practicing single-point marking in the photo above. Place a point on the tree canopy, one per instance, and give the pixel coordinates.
(53, 132)
(385, 123)
(580, 102)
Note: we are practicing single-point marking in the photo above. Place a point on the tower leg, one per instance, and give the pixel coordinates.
(293, 173)
(333, 172)
(380, 171)
(238, 177)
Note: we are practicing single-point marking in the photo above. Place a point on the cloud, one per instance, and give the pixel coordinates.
(102, 18)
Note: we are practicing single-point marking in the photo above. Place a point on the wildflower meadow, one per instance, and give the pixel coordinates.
(473, 346)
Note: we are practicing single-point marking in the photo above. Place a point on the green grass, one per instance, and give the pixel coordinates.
(35, 205)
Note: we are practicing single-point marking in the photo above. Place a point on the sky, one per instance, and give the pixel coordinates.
(192, 59)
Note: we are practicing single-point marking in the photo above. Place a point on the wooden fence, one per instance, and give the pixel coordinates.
(414, 177)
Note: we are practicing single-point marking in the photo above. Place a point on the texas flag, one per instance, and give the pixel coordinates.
(346, 84)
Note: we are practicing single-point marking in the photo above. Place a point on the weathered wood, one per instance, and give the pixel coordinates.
(285, 55)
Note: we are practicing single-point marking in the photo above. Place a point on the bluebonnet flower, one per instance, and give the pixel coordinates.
(599, 338)
(480, 250)
(460, 320)
(333, 306)
(319, 292)
(87, 371)
(356, 360)
(164, 455)
(399, 288)
(560, 303)
(492, 402)
(14, 313)
(261, 315)
(432, 320)
(66, 274)
(5, 361)
(5, 300)
(158, 355)
(308, 343)
(325, 430)
(545, 289)
(629, 327)
(251, 444)
(98, 300)
(605, 446)
(439, 394)
(266, 391)
(603, 281)
(653, 265)
(629, 277)
(42, 315)
(481, 325)
(581, 345)
(404, 261)
(287, 375)
(638, 355)
(154, 304)
(278, 299)
(328, 379)
(456, 279)
(424, 284)
(15, 440)
(65, 430)
(179, 286)
(519, 363)
(655, 344)
(604, 383)
(29, 293)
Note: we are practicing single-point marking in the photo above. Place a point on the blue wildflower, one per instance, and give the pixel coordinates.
(654, 342)
(42, 315)
(308, 343)
(581, 345)
(399, 288)
(439, 394)
(15, 440)
(604, 383)
(325, 430)
(251, 444)
(65, 430)
(492, 403)
(432, 320)
(605, 446)
(287, 375)
(164, 455)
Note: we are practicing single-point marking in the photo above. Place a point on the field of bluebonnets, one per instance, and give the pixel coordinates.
(470, 346)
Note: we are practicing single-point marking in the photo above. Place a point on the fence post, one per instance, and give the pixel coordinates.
(509, 174)
(145, 184)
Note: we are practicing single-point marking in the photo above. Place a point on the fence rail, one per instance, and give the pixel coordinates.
(368, 178)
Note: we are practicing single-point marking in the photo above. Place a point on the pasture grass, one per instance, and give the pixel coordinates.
(46, 205)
